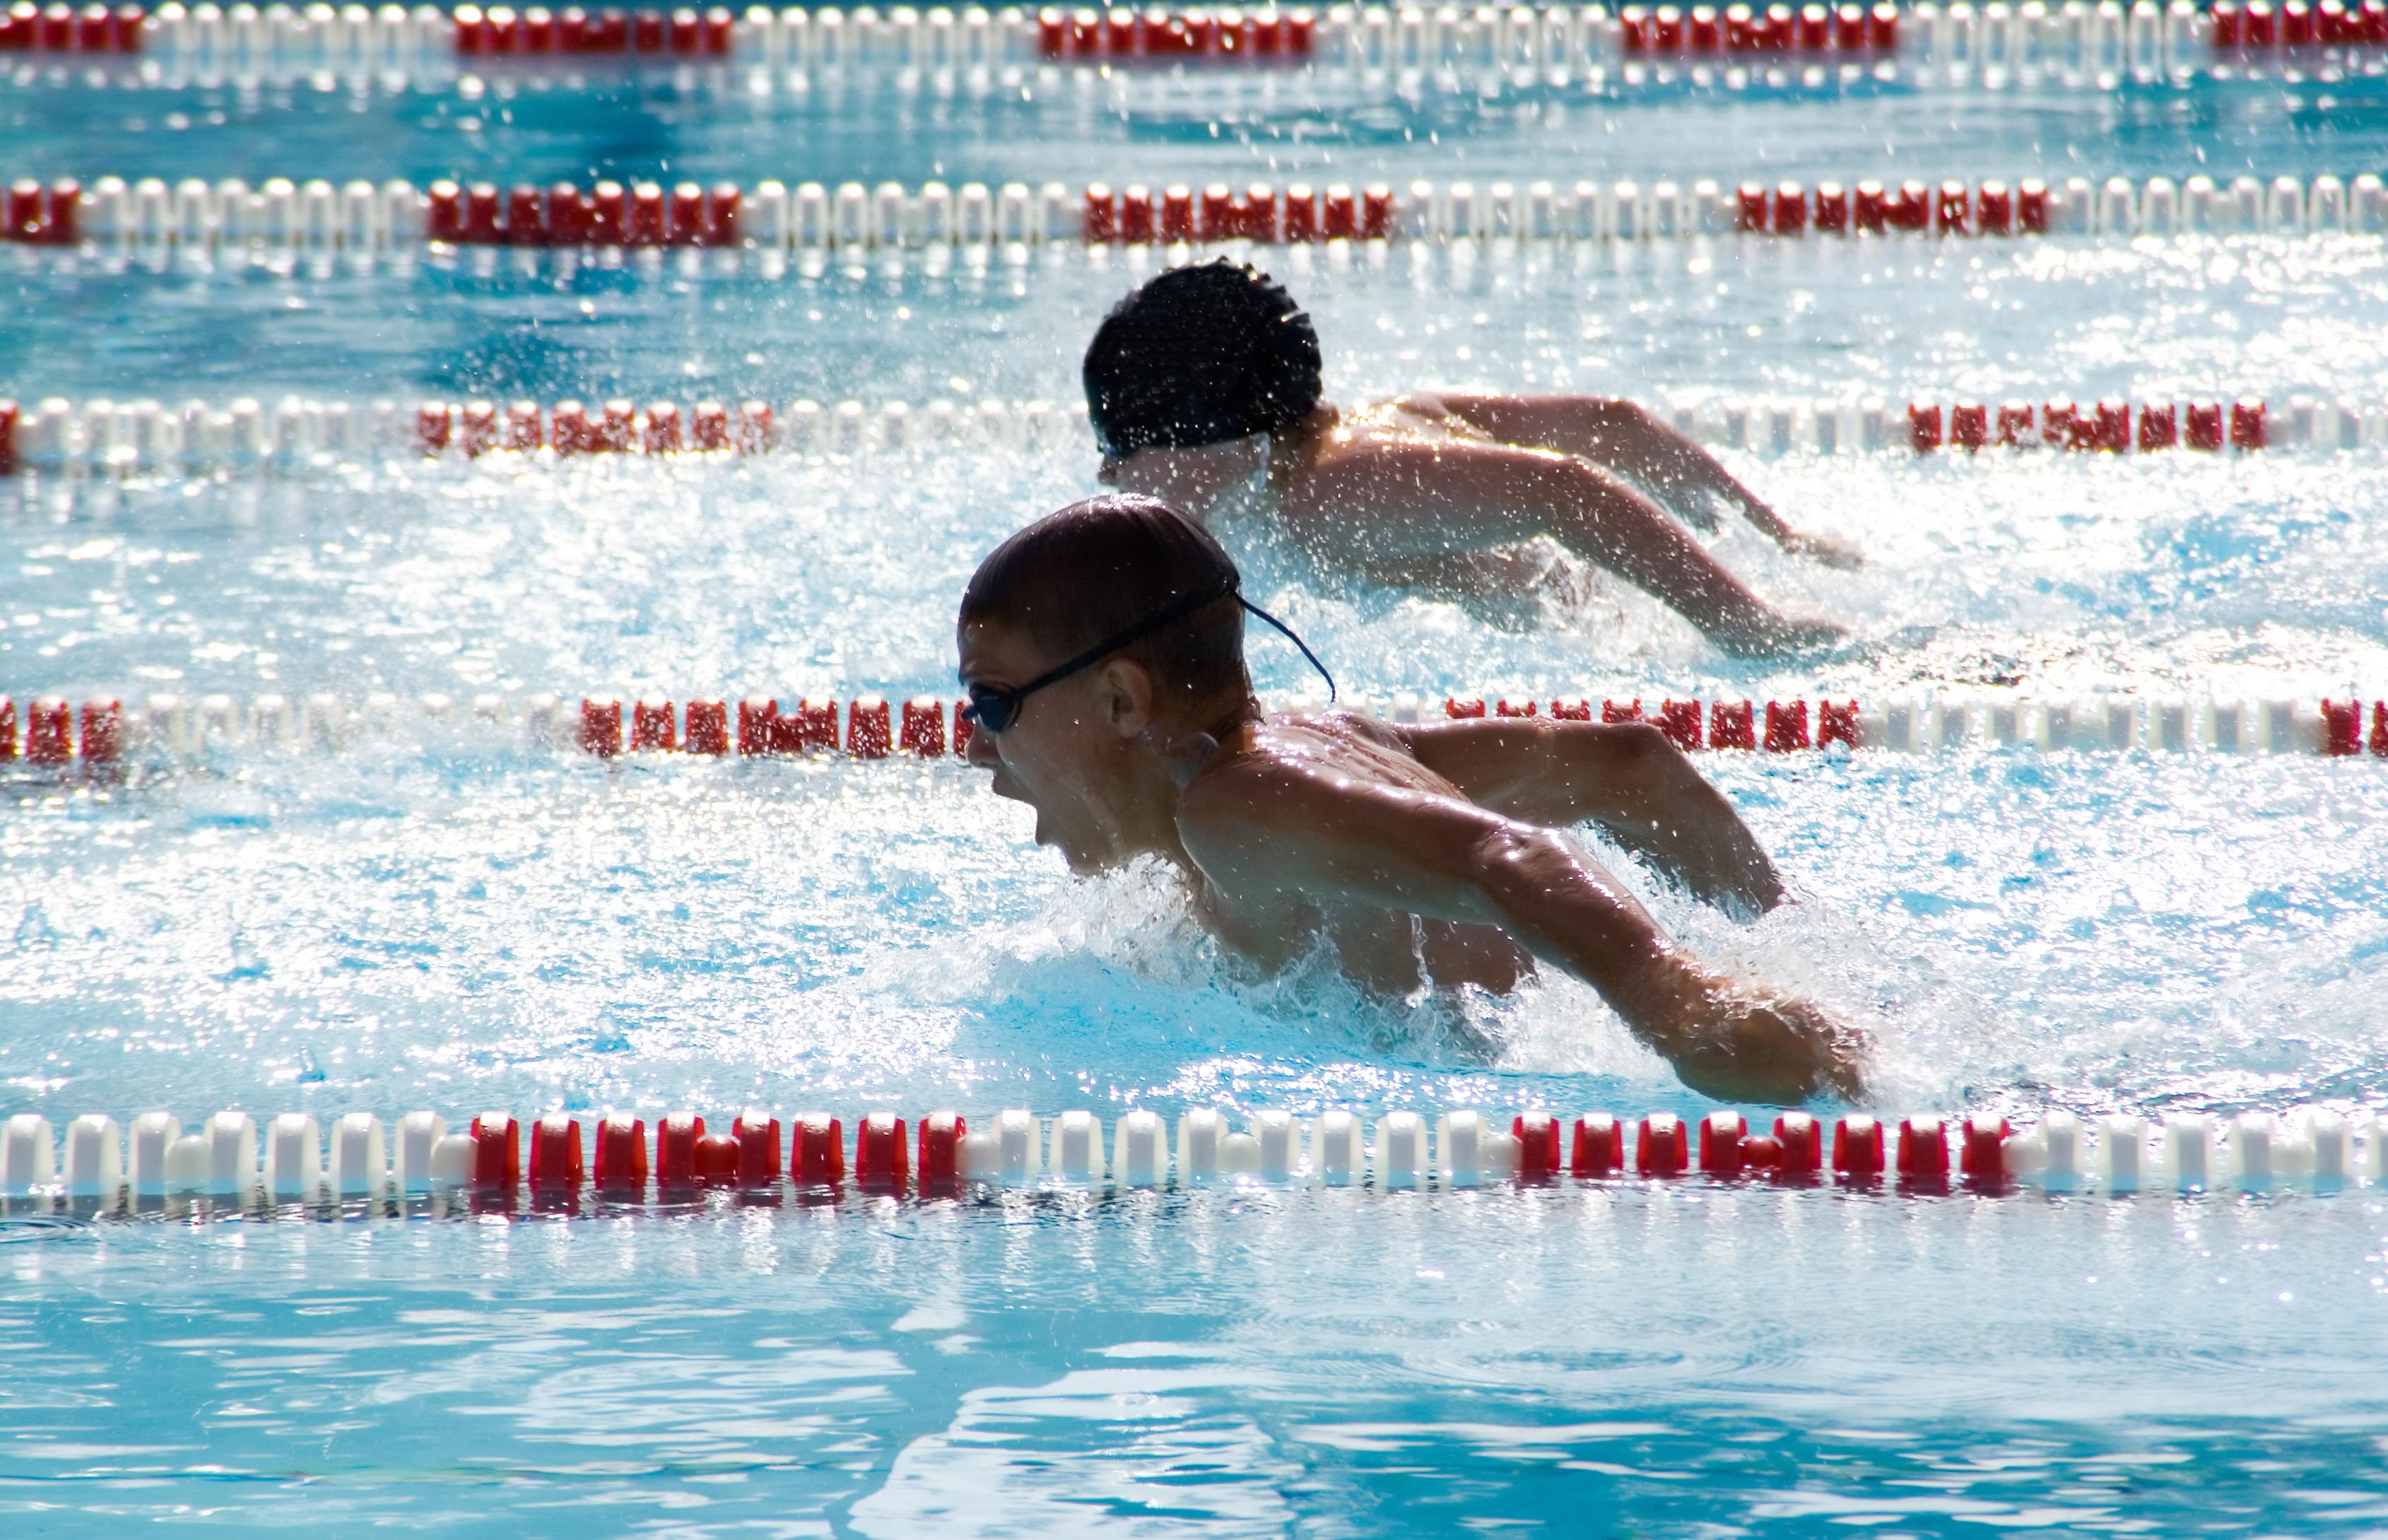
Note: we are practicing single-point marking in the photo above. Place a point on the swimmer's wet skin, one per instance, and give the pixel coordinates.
(1424, 854)
(1209, 375)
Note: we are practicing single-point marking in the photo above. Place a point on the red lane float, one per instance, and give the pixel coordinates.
(1599, 1146)
(676, 1137)
(882, 1158)
(941, 1139)
(2103, 428)
(2257, 26)
(1857, 1147)
(1799, 1142)
(1981, 1153)
(764, 730)
(62, 29)
(1160, 37)
(44, 216)
(497, 1151)
(1301, 215)
(502, 31)
(49, 740)
(621, 1164)
(1538, 1155)
(817, 1151)
(565, 215)
(1696, 30)
(1923, 1149)
(1720, 1140)
(758, 1138)
(1661, 1146)
(555, 1153)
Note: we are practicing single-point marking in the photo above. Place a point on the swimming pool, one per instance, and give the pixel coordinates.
(447, 914)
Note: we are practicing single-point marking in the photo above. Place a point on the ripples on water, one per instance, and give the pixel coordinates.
(448, 919)
(1329, 1363)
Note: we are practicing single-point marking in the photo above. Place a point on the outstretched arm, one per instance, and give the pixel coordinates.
(1626, 778)
(1621, 435)
(1265, 832)
(1379, 501)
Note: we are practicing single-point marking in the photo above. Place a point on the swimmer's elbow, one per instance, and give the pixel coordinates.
(1641, 746)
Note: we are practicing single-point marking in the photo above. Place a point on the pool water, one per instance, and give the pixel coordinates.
(458, 919)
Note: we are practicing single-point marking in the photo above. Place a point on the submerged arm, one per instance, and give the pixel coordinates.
(1622, 435)
(1626, 778)
(1263, 831)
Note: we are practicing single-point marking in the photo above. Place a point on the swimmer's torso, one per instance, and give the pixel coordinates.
(1384, 950)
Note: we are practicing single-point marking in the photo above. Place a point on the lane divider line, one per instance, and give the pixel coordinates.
(279, 221)
(287, 1159)
(145, 436)
(1377, 49)
(102, 737)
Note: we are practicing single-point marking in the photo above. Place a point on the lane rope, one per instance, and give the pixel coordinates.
(107, 437)
(1379, 49)
(102, 738)
(279, 221)
(287, 1159)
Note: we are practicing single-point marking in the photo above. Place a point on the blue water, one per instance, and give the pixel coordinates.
(448, 919)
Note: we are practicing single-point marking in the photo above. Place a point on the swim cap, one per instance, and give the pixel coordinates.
(1096, 569)
(1200, 355)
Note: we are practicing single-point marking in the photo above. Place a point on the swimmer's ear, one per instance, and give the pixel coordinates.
(1125, 703)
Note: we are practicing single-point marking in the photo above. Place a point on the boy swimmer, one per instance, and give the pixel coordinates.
(1208, 376)
(1103, 649)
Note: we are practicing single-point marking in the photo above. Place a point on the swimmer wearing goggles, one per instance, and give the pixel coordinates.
(992, 710)
(1206, 380)
(1425, 856)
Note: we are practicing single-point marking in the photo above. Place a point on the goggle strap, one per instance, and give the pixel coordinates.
(1298, 642)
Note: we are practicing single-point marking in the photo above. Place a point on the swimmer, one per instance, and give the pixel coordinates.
(1102, 650)
(1207, 377)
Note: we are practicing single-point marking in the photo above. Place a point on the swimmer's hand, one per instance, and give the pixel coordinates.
(1739, 1046)
(1839, 555)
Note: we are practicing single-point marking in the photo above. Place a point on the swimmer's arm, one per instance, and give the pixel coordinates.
(1623, 776)
(1396, 500)
(1264, 832)
(1622, 435)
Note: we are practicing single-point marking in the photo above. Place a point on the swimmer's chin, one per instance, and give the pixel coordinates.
(1082, 863)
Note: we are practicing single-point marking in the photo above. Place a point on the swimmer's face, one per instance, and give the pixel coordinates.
(1068, 754)
(1189, 480)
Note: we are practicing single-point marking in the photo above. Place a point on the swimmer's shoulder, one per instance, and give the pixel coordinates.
(1416, 414)
(1306, 744)
(1347, 726)
(1346, 746)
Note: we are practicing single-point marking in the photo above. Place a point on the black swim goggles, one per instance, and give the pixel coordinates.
(992, 710)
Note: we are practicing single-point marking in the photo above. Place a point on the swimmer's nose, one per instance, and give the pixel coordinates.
(982, 752)
(1108, 474)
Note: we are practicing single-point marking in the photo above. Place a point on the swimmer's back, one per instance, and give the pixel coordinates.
(1280, 821)
(1412, 419)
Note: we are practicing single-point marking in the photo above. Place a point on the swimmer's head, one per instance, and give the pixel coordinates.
(1104, 566)
(1059, 642)
(1200, 355)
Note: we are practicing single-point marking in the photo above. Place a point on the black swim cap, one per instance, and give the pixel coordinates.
(1200, 355)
